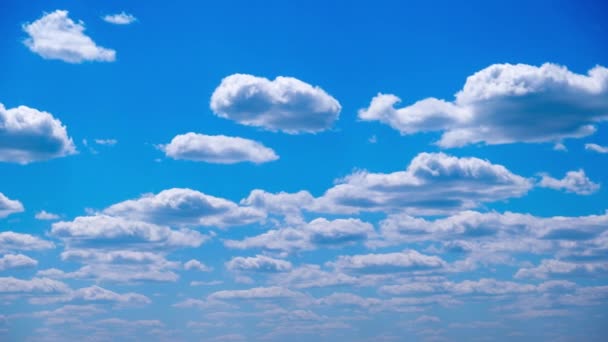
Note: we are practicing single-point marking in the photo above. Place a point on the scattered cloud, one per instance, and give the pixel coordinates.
(596, 148)
(11, 261)
(285, 104)
(574, 181)
(106, 142)
(196, 265)
(34, 285)
(121, 18)
(28, 135)
(407, 260)
(259, 263)
(56, 36)
(9, 206)
(11, 241)
(46, 216)
(219, 149)
(505, 103)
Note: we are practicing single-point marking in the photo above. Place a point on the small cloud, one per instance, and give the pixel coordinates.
(372, 139)
(596, 148)
(44, 215)
(574, 181)
(120, 18)
(106, 142)
(560, 147)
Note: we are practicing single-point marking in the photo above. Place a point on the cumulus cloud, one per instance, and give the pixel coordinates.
(432, 183)
(34, 285)
(11, 241)
(259, 263)
(45, 215)
(219, 149)
(185, 207)
(319, 232)
(10, 261)
(257, 293)
(284, 104)
(56, 36)
(407, 260)
(505, 103)
(28, 135)
(9, 206)
(121, 18)
(194, 264)
(596, 148)
(287, 205)
(102, 230)
(556, 268)
(574, 181)
(96, 294)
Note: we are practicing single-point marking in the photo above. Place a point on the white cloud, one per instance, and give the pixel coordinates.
(194, 264)
(34, 285)
(389, 262)
(116, 272)
(285, 104)
(185, 207)
(288, 205)
(56, 36)
(219, 149)
(28, 135)
(9, 261)
(319, 232)
(308, 276)
(552, 268)
(274, 292)
(596, 148)
(432, 183)
(116, 231)
(96, 294)
(9, 206)
(259, 263)
(45, 215)
(107, 142)
(574, 181)
(119, 18)
(506, 103)
(11, 241)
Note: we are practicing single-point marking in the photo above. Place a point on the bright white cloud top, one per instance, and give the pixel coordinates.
(219, 149)
(284, 104)
(28, 135)
(121, 18)
(505, 103)
(56, 36)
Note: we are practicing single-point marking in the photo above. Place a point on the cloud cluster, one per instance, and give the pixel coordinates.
(505, 103)
(56, 36)
(284, 104)
(432, 183)
(28, 135)
(218, 149)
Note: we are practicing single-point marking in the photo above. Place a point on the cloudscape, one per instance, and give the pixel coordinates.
(303, 171)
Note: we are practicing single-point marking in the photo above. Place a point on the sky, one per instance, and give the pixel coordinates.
(303, 170)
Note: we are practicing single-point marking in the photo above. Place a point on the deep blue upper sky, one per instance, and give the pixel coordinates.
(474, 207)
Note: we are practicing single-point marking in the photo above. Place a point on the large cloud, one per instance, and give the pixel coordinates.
(285, 104)
(319, 232)
(9, 206)
(218, 149)
(56, 36)
(506, 103)
(432, 183)
(28, 135)
(185, 207)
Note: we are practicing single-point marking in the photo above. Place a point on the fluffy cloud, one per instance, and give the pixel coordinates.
(34, 285)
(389, 262)
(194, 264)
(432, 183)
(484, 286)
(219, 149)
(117, 272)
(549, 268)
(9, 261)
(119, 18)
(56, 36)
(317, 233)
(257, 293)
(285, 104)
(185, 207)
(96, 294)
(44, 215)
(574, 181)
(11, 241)
(28, 135)
(9, 206)
(259, 263)
(288, 205)
(102, 230)
(506, 103)
(596, 148)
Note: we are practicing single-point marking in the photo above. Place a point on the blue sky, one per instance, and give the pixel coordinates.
(360, 171)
